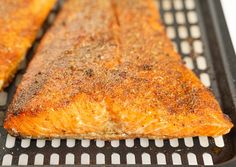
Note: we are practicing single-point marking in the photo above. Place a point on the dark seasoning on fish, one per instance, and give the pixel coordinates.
(106, 70)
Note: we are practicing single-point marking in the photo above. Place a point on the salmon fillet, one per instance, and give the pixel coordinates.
(107, 70)
(20, 21)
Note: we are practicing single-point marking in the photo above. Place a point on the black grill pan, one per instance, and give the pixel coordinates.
(199, 32)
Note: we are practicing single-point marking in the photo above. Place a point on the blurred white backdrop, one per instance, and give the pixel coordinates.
(229, 7)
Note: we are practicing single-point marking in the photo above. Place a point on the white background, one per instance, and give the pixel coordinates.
(229, 7)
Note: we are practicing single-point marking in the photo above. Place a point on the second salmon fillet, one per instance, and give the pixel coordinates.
(107, 70)
(20, 21)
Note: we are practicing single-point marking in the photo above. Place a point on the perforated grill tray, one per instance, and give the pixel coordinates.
(199, 32)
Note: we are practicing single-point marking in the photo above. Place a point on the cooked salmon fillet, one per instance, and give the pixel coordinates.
(20, 21)
(107, 70)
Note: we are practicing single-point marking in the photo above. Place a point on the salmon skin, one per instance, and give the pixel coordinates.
(106, 70)
(20, 20)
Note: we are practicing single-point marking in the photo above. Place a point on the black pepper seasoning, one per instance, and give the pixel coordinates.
(89, 72)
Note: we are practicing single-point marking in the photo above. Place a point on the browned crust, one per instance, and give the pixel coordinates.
(19, 23)
(107, 69)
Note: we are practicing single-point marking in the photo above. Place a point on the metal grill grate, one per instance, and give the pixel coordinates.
(184, 27)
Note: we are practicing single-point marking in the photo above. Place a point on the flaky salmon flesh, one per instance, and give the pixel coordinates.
(106, 70)
(20, 21)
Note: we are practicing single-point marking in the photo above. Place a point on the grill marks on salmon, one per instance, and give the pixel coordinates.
(19, 23)
(106, 70)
